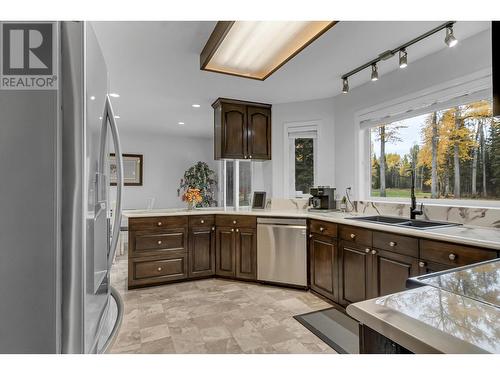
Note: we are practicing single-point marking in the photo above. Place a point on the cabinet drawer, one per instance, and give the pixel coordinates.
(323, 227)
(453, 254)
(201, 221)
(153, 243)
(357, 235)
(156, 223)
(396, 243)
(150, 271)
(234, 221)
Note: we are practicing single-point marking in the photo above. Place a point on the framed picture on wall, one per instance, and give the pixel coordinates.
(132, 169)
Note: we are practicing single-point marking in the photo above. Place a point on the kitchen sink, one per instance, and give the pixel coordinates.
(402, 222)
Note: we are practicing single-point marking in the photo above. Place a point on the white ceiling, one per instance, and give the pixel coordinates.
(154, 66)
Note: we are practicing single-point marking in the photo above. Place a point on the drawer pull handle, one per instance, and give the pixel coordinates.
(232, 230)
(213, 228)
(353, 236)
(367, 250)
(159, 269)
(452, 256)
(374, 252)
(234, 221)
(321, 229)
(392, 244)
(160, 224)
(159, 242)
(202, 221)
(421, 264)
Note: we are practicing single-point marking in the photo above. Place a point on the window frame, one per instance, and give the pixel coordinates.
(479, 87)
(298, 127)
(236, 185)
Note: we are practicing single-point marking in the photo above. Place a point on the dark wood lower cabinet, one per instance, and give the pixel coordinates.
(355, 273)
(246, 253)
(372, 342)
(391, 270)
(323, 265)
(201, 251)
(225, 252)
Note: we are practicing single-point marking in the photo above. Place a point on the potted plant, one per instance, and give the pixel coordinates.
(199, 184)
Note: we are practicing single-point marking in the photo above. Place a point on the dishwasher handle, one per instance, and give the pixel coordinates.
(282, 226)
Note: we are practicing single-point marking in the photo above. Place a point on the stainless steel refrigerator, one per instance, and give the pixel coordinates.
(58, 230)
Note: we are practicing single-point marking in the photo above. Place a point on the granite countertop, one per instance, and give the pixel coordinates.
(457, 312)
(466, 235)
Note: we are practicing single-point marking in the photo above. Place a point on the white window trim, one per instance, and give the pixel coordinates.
(299, 126)
(475, 86)
(236, 185)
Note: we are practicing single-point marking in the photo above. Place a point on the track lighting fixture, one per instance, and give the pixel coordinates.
(450, 39)
(403, 58)
(374, 73)
(345, 85)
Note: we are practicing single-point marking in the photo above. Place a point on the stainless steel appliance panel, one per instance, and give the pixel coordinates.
(282, 251)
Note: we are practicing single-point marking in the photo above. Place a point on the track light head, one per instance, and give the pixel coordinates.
(374, 73)
(450, 39)
(403, 59)
(345, 86)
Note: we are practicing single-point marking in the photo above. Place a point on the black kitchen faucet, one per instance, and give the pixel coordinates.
(413, 208)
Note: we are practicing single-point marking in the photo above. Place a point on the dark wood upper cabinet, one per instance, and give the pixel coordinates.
(242, 130)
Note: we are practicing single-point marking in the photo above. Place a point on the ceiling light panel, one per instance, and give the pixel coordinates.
(255, 49)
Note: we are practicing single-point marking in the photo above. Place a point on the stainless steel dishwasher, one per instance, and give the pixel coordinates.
(282, 251)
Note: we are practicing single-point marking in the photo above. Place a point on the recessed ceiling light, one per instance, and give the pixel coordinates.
(256, 49)
(92, 97)
(195, 105)
(180, 123)
(114, 95)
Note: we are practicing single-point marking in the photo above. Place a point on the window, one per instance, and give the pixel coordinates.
(302, 159)
(237, 176)
(453, 153)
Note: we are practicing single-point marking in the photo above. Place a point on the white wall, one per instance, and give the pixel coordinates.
(469, 56)
(313, 110)
(166, 158)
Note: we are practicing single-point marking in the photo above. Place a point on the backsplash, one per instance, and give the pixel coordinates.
(480, 216)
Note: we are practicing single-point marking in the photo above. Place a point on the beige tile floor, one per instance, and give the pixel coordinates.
(213, 316)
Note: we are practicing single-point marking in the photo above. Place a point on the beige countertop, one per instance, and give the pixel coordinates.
(432, 320)
(466, 235)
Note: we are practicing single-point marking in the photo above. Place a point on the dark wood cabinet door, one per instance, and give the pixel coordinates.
(323, 266)
(202, 251)
(391, 270)
(246, 253)
(355, 273)
(234, 131)
(225, 257)
(259, 132)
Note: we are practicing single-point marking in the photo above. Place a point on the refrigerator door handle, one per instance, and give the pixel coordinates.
(109, 115)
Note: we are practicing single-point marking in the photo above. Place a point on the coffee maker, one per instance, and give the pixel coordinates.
(323, 198)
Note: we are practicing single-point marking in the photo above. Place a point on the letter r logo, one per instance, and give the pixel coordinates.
(27, 49)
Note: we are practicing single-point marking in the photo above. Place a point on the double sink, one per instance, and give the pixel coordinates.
(402, 222)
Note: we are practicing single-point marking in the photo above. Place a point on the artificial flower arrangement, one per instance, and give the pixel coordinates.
(192, 196)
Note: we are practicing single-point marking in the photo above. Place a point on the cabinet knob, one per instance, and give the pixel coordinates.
(367, 250)
(310, 235)
(392, 244)
(374, 252)
(245, 156)
(234, 221)
(213, 228)
(321, 229)
(421, 264)
(353, 236)
(159, 242)
(250, 156)
(237, 230)
(232, 230)
(159, 269)
(452, 256)
(202, 221)
(159, 224)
